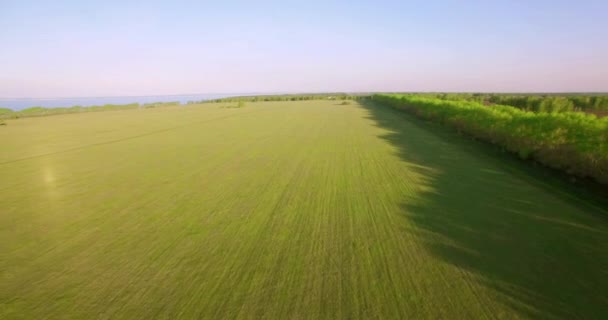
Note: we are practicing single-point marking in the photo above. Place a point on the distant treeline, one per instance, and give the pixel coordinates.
(532, 102)
(41, 111)
(574, 142)
(288, 97)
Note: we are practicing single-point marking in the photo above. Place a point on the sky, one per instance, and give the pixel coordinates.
(118, 48)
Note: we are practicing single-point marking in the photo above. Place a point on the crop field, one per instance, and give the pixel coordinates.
(285, 210)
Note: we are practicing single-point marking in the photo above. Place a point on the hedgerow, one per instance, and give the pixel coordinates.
(574, 142)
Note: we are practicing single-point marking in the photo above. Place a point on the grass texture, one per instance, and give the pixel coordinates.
(284, 210)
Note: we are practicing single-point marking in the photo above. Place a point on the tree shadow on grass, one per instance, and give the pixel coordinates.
(516, 227)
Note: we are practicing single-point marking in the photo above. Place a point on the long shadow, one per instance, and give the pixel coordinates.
(519, 230)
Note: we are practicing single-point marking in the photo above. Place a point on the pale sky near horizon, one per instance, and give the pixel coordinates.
(116, 48)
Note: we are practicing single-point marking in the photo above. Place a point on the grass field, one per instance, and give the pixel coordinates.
(284, 210)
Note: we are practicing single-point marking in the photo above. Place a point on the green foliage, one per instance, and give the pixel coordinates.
(6, 113)
(287, 97)
(160, 104)
(42, 111)
(573, 142)
(35, 110)
(239, 104)
(537, 103)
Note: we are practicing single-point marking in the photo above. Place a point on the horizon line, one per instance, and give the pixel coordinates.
(301, 92)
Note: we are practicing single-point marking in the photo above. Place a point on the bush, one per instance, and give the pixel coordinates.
(576, 143)
(160, 104)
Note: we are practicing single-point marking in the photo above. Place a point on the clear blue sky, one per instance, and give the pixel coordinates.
(107, 48)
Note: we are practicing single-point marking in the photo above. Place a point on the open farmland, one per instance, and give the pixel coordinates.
(278, 210)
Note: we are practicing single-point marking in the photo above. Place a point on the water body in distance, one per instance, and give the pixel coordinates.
(23, 103)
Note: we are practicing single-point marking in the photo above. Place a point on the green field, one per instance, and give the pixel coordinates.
(285, 210)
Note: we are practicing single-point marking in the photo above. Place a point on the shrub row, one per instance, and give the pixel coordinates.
(537, 103)
(553, 103)
(570, 141)
(532, 102)
(287, 97)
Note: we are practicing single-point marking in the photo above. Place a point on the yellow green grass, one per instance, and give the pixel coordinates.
(284, 210)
